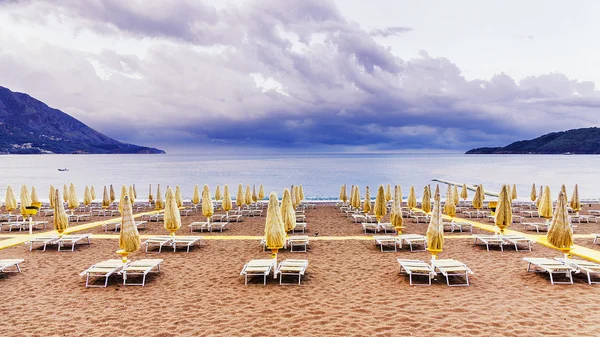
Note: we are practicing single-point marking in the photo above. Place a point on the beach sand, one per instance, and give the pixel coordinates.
(351, 289)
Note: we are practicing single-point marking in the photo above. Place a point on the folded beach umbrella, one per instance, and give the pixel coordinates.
(464, 194)
(380, 209)
(482, 193)
(218, 195)
(455, 195)
(134, 194)
(343, 196)
(367, 201)
(388, 193)
(564, 190)
(87, 196)
(35, 201)
(207, 203)
(248, 195)
(227, 205)
(545, 209)
(426, 201)
(503, 217)
(293, 195)
(52, 196)
(396, 214)
(131, 195)
(412, 198)
(158, 204)
(172, 216)
(356, 197)
(11, 201)
(261, 192)
(196, 195)
(288, 214)
(560, 233)
(122, 199)
(178, 197)
(150, 196)
(575, 203)
(105, 199)
(449, 207)
(93, 193)
(477, 199)
(129, 238)
(435, 230)
(533, 194)
(514, 195)
(112, 194)
(301, 190)
(539, 199)
(25, 199)
(297, 194)
(274, 228)
(239, 198)
(61, 220)
(254, 195)
(65, 193)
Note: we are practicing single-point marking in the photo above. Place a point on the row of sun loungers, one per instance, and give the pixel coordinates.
(502, 240)
(565, 267)
(202, 226)
(413, 240)
(264, 267)
(23, 225)
(172, 241)
(106, 269)
(300, 242)
(450, 269)
(68, 240)
(117, 225)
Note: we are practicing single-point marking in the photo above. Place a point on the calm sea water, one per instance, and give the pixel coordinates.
(321, 175)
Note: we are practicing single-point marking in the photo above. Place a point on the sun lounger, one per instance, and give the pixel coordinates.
(43, 239)
(387, 241)
(117, 225)
(290, 267)
(301, 218)
(516, 239)
(387, 227)
(530, 214)
(218, 217)
(102, 269)
(538, 226)
(187, 241)
(198, 225)
(217, 226)
(140, 267)
(79, 217)
(418, 268)
(7, 264)
(412, 239)
(452, 268)
(358, 218)
(158, 241)
(462, 226)
(369, 227)
(155, 217)
(583, 266)
(419, 218)
(234, 218)
(73, 239)
(550, 266)
(300, 226)
(298, 241)
(257, 268)
(487, 240)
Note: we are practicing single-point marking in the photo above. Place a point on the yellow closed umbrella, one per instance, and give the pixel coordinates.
(87, 197)
(343, 195)
(207, 204)
(65, 193)
(477, 199)
(134, 195)
(435, 230)
(261, 193)
(533, 194)
(73, 201)
(388, 193)
(356, 200)
(218, 195)
(426, 201)
(196, 195)
(412, 198)
(61, 220)
(11, 201)
(158, 205)
(122, 199)
(172, 217)
(112, 194)
(52, 196)
(464, 193)
(178, 197)
(293, 195)
(563, 189)
(455, 195)
(93, 193)
(301, 190)
(227, 205)
(35, 201)
(396, 214)
(25, 199)
(131, 195)
(539, 199)
(560, 233)
(367, 201)
(274, 227)
(105, 199)
(288, 214)
(248, 195)
(449, 206)
(254, 195)
(297, 195)
(129, 238)
(150, 196)
(352, 194)
(545, 209)
(380, 209)
(239, 198)
(514, 192)
(575, 203)
(503, 216)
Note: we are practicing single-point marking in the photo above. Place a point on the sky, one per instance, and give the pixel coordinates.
(312, 75)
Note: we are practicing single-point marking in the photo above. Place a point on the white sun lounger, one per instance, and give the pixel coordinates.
(257, 268)
(73, 239)
(596, 237)
(382, 241)
(538, 226)
(412, 239)
(300, 226)
(291, 268)
(298, 241)
(79, 217)
(7, 264)
(369, 227)
(516, 239)
(186, 241)
(158, 241)
(386, 226)
(140, 267)
(416, 267)
(452, 268)
(550, 266)
(198, 225)
(234, 218)
(487, 240)
(117, 225)
(43, 239)
(462, 226)
(102, 269)
(217, 226)
(587, 267)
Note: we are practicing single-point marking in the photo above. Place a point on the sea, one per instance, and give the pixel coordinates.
(321, 175)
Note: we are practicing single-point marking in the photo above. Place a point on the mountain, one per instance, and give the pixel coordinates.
(576, 141)
(28, 126)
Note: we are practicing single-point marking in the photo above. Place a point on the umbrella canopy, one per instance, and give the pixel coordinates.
(25, 199)
(560, 234)
(61, 220)
(248, 195)
(239, 198)
(158, 204)
(396, 214)
(73, 201)
(435, 230)
(455, 195)
(178, 198)
(227, 205)
(87, 196)
(503, 217)
(274, 229)
(196, 195)
(93, 192)
(343, 196)
(449, 206)
(52, 196)
(254, 195)
(367, 202)
(301, 190)
(477, 199)
(288, 214)
(129, 238)
(533, 194)
(261, 192)
(412, 198)
(513, 192)
(380, 209)
(105, 199)
(563, 189)
(172, 216)
(11, 201)
(388, 193)
(545, 209)
(207, 203)
(122, 200)
(426, 201)
(112, 194)
(464, 194)
(575, 203)
(218, 195)
(293, 195)
(150, 196)
(35, 201)
(65, 193)
(131, 195)
(539, 199)
(297, 194)
(356, 200)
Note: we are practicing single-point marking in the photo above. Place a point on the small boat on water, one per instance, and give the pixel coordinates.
(63, 169)
(567, 153)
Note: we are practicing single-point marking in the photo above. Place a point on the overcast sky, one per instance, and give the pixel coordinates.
(346, 75)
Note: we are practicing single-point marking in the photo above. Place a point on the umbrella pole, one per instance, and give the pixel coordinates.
(30, 225)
